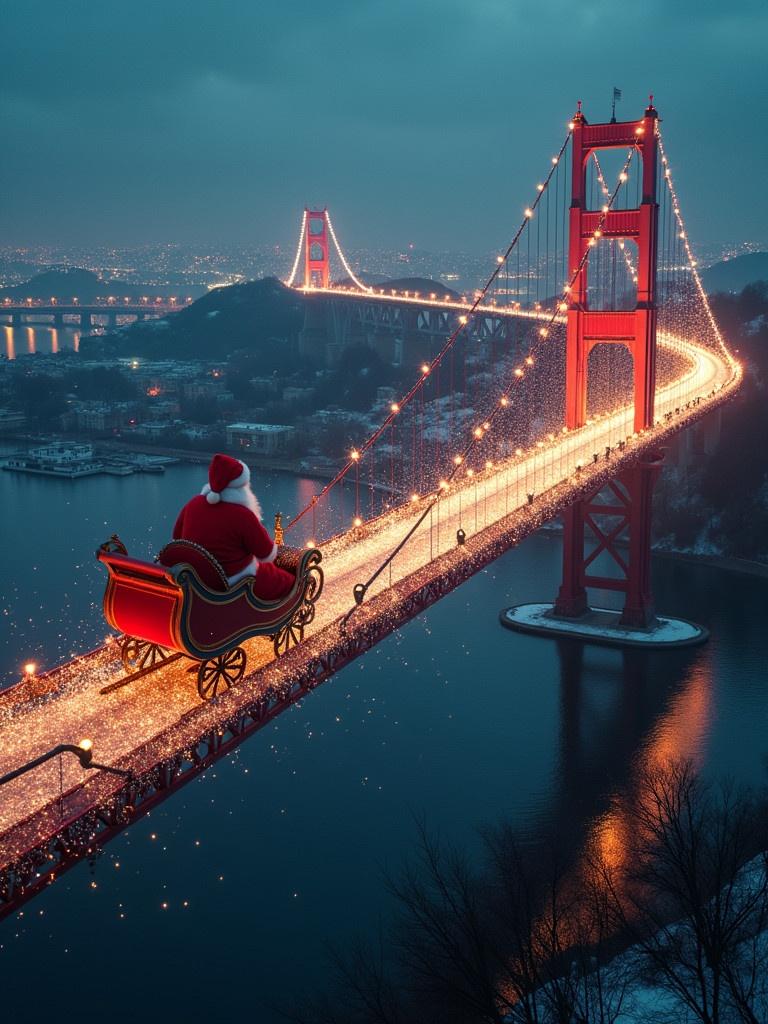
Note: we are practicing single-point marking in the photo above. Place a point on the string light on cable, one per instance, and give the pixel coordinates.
(291, 278)
(342, 257)
(733, 363)
(447, 347)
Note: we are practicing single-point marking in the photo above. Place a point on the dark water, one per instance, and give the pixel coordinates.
(38, 338)
(225, 897)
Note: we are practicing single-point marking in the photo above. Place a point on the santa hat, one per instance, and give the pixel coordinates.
(225, 473)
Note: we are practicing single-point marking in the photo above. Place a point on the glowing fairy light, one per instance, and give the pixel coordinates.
(735, 367)
(291, 277)
(342, 257)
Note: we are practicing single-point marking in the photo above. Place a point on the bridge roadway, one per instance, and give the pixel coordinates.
(157, 727)
(24, 312)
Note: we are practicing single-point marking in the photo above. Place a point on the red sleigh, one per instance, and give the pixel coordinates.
(181, 606)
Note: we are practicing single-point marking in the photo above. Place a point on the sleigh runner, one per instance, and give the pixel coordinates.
(181, 605)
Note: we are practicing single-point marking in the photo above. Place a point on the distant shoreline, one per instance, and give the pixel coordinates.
(745, 566)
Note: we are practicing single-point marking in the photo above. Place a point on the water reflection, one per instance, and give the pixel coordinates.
(623, 713)
(40, 338)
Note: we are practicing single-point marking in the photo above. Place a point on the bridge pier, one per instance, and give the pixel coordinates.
(619, 517)
(313, 337)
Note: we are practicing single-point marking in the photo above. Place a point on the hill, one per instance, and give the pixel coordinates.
(734, 275)
(65, 283)
(260, 314)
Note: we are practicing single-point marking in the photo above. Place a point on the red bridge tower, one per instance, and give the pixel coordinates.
(316, 249)
(628, 510)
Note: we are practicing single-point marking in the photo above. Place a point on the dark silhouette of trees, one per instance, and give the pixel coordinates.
(519, 936)
(691, 901)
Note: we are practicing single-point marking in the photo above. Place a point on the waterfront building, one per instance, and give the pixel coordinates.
(259, 438)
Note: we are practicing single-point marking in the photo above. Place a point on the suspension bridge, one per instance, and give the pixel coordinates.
(552, 390)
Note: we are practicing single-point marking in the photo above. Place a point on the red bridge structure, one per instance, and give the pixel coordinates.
(636, 329)
(553, 389)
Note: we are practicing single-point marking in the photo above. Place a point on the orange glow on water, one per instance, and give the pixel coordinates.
(679, 734)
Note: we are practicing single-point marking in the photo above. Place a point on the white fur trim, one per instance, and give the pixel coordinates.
(235, 496)
(271, 556)
(250, 570)
(243, 479)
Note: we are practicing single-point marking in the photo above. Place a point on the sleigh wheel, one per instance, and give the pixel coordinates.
(221, 672)
(291, 634)
(305, 614)
(315, 579)
(138, 655)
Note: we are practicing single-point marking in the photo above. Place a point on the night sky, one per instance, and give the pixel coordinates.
(418, 121)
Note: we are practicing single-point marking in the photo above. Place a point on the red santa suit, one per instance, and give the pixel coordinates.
(225, 519)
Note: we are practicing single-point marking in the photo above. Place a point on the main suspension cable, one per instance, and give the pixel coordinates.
(357, 453)
(289, 281)
(478, 434)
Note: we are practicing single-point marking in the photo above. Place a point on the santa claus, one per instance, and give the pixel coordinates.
(225, 519)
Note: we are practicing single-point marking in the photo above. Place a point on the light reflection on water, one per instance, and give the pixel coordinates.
(452, 716)
(40, 338)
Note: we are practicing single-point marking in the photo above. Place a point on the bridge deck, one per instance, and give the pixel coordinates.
(157, 724)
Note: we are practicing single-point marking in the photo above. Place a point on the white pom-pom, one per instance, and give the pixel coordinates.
(212, 497)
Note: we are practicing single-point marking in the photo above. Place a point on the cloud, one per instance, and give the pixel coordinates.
(398, 111)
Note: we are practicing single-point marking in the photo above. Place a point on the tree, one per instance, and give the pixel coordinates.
(691, 901)
(515, 939)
